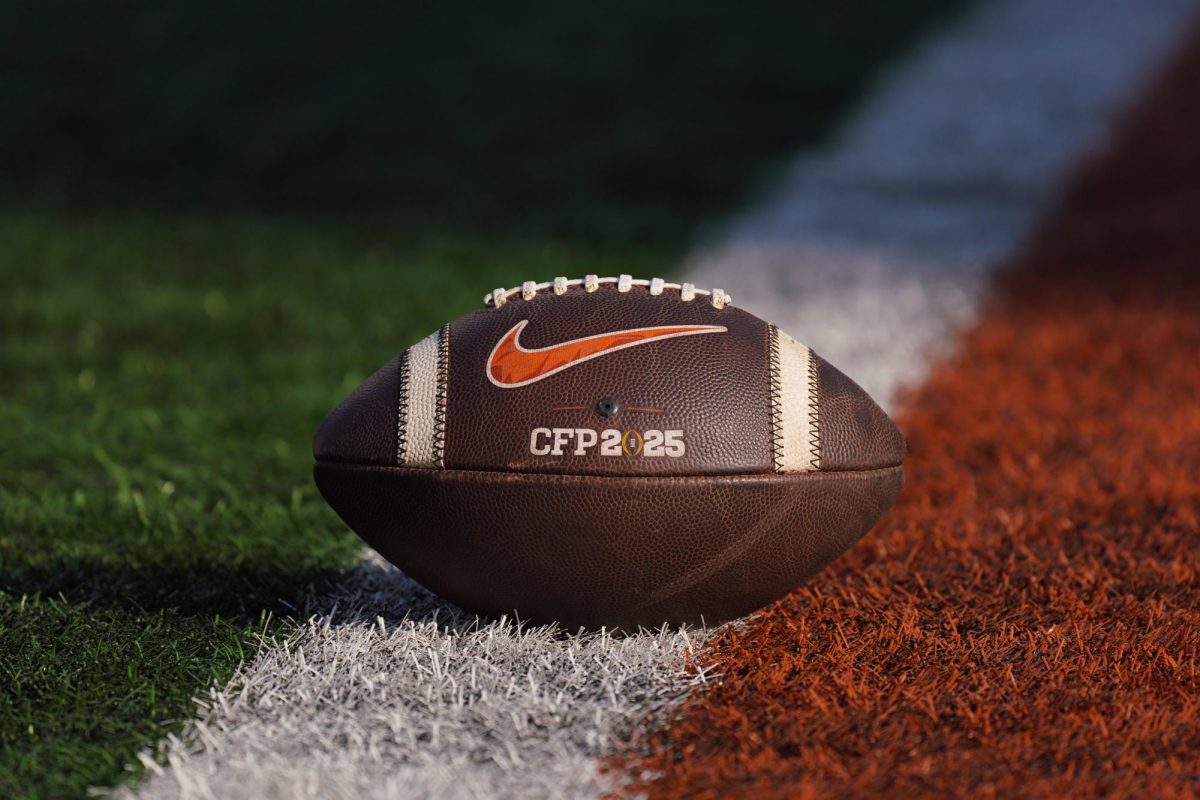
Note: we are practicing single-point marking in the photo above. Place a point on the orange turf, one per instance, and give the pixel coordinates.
(1026, 621)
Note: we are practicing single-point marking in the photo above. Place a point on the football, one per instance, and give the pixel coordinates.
(609, 452)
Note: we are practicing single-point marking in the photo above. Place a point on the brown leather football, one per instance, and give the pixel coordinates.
(609, 452)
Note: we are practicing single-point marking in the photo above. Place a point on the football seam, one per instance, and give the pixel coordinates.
(484, 474)
(402, 413)
(776, 391)
(814, 412)
(439, 414)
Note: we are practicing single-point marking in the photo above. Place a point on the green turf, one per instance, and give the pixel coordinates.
(351, 186)
(154, 452)
(86, 686)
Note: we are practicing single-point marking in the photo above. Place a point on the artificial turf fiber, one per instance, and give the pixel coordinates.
(1025, 622)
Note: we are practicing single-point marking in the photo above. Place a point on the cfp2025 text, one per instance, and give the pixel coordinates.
(610, 442)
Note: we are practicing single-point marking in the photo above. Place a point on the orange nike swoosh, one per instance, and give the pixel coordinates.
(510, 365)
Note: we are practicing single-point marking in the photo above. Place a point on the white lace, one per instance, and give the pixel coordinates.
(590, 283)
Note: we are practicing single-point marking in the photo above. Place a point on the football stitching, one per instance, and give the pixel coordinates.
(439, 414)
(776, 389)
(402, 413)
(814, 413)
(590, 283)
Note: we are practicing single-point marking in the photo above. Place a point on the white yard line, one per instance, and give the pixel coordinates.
(369, 703)
(868, 251)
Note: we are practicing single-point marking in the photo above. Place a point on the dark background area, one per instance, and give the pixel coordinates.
(596, 117)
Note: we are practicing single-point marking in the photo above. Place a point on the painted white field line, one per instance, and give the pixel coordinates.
(868, 251)
(370, 702)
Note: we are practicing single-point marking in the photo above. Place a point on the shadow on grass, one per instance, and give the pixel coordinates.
(377, 591)
(242, 594)
(199, 589)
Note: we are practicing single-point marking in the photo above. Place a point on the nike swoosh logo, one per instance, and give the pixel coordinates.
(510, 365)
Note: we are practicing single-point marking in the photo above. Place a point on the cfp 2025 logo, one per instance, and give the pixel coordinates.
(511, 365)
(611, 442)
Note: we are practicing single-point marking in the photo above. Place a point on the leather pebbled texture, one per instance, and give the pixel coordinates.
(363, 427)
(854, 432)
(623, 540)
(712, 387)
(600, 551)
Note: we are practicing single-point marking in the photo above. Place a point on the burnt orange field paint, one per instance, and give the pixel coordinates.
(1026, 621)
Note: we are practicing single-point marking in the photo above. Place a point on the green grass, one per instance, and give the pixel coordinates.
(85, 686)
(240, 212)
(155, 424)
